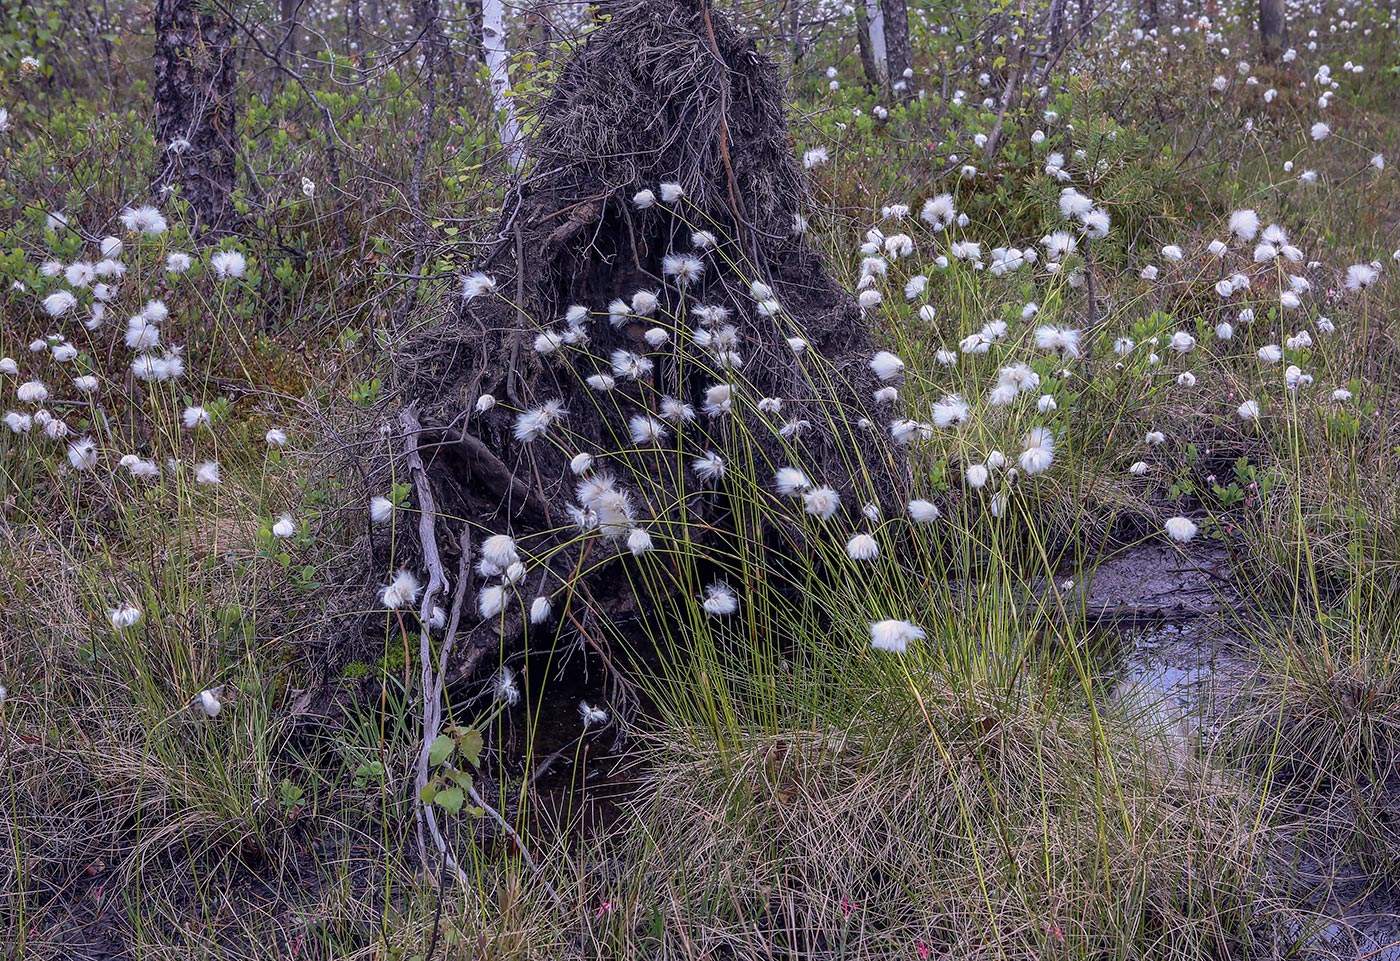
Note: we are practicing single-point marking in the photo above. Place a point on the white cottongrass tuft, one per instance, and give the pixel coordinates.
(894, 635)
(226, 264)
(59, 303)
(709, 466)
(477, 284)
(82, 454)
(195, 416)
(862, 547)
(823, 502)
(1244, 224)
(32, 392)
(791, 482)
(639, 541)
(1061, 340)
(533, 424)
(124, 615)
(401, 592)
(685, 268)
(500, 550)
(144, 220)
(924, 512)
(646, 430)
(719, 600)
(1040, 450)
(1180, 529)
(17, 422)
(886, 365)
(491, 601)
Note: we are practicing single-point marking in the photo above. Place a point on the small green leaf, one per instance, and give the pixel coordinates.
(440, 749)
(470, 743)
(427, 793)
(450, 800)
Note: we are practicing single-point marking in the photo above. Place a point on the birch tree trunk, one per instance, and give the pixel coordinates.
(1057, 23)
(195, 110)
(288, 44)
(899, 54)
(493, 36)
(867, 53)
(1273, 28)
(879, 51)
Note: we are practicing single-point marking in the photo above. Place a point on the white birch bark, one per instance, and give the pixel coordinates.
(877, 38)
(493, 41)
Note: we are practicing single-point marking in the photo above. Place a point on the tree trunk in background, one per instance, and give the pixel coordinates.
(195, 110)
(357, 30)
(1273, 28)
(870, 35)
(1057, 24)
(493, 32)
(1149, 14)
(1086, 17)
(476, 46)
(288, 43)
(899, 54)
(867, 56)
(794, 36)
(879, 50)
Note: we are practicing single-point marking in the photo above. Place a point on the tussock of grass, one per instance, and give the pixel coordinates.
(979, 822)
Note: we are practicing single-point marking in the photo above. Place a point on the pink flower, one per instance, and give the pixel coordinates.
(922, 950)
(607, 907)
(848, 907)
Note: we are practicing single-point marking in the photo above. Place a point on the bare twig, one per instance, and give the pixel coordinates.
(432, 684)
(519, 843)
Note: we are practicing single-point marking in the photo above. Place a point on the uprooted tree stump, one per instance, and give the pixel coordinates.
(650, 301)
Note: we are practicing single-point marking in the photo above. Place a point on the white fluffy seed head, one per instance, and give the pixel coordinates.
(886, 365)
(862, 547)
(924, 512)
(401, 591)
(500, 550)
(639, 541)
(894, 635)
(791, 482)
(719, 600)
(1180, 529)
(823, 502)
(541, 608)
(491, 601)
